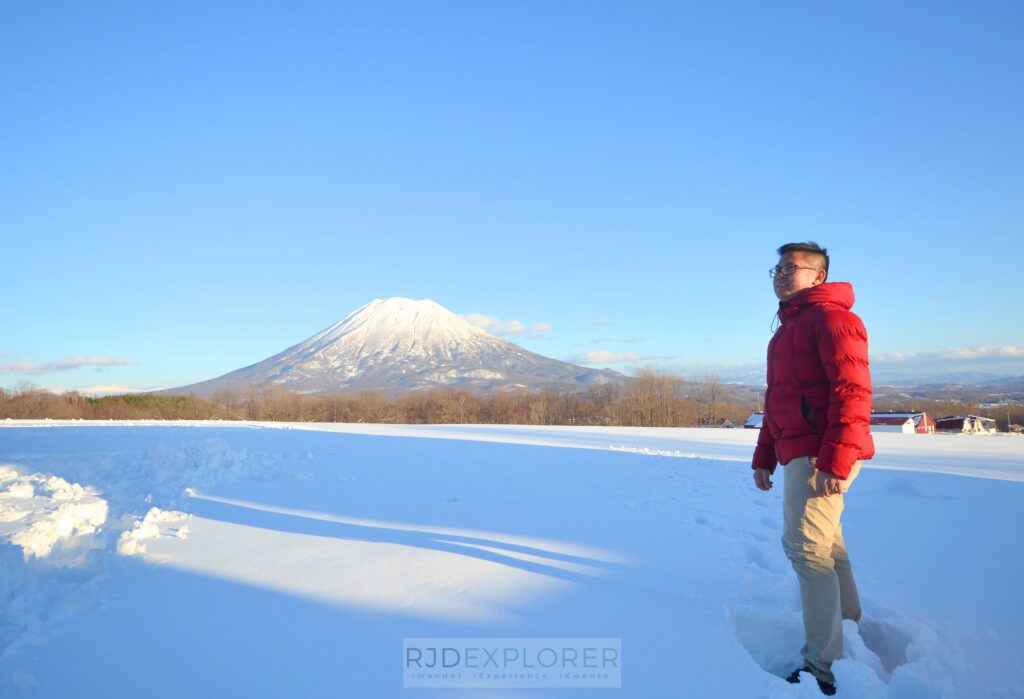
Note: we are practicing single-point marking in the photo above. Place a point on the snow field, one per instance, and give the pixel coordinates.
(306, 555)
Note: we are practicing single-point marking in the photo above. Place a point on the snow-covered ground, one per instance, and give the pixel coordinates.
(283, 560)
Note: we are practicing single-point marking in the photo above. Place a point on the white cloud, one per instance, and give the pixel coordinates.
(982, 352)
(995, 353)
(96, 389)
(606, 357)
(62, 365)
(954, 353)
(1003, 360)
(479, 320)
(105, 389)
(598, 321)
(511, 327)
(893, 356)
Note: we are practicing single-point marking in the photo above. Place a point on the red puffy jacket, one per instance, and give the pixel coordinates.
(818, 401)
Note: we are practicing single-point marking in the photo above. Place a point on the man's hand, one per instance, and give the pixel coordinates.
(826, 484)
(763, 478)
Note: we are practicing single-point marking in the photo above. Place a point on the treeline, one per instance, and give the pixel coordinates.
(650, 399)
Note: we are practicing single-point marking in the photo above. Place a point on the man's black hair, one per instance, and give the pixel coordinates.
(809, 247)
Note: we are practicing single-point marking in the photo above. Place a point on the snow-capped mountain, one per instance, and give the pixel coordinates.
(398, 344)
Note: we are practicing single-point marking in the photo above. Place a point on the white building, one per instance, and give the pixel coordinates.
(967, 424)
(892, 423)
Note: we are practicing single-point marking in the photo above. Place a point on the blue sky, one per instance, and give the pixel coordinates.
(189, 187)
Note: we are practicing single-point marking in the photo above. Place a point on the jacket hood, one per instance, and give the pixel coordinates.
(839, 293)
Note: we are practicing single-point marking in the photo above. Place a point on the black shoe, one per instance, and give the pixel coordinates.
(827, 688)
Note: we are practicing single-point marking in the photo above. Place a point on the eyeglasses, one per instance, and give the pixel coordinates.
(786, 270)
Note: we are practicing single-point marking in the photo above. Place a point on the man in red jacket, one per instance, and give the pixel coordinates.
(816, 423)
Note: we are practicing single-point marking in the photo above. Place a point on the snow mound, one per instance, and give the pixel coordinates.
(58, 536)
(51, 540)
(155, 524)
(164, 472)
(47, 515)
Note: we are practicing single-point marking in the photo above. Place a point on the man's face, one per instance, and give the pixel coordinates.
(789, 285)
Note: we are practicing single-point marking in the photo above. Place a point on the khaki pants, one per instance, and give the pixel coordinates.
(812, 538)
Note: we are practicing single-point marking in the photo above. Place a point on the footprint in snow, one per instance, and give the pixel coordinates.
(874, 647)
(756, 555)
(758, 536)
(886, 640)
